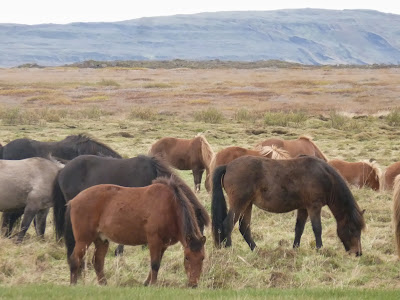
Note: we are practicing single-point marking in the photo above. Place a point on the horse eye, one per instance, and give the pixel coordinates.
(186, 258)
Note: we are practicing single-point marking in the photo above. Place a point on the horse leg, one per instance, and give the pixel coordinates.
(228, 225)
(29, 214)
(75, 261)
(244, 227)
(8, 221)
(156, 253)
(98, 260)
(315, 216)
(197, 174)
(119, 250)
(302, 216)
(40, 218)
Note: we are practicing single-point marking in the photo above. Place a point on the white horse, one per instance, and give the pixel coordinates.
(27, 185)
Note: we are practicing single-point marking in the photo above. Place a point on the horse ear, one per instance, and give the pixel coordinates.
(203, 239)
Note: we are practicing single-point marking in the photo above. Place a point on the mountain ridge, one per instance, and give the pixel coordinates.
(305, 36)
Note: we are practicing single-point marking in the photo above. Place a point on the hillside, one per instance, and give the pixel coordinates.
(306, 36)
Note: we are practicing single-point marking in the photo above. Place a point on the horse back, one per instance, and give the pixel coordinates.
(229, 154)
(23, 148)
(89, 170)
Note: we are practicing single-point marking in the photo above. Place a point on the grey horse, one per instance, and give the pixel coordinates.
(27, 185)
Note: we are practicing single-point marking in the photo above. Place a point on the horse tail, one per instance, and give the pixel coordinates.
(59, 208)
(318, 153)
(208, 182)
(207, 155)
(396, 212)
(218, 206)
(163, 170)
(68, 233)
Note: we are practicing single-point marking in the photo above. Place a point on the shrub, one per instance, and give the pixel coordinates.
(210, 115)
(142, 113)
(284, 118)
(393, 118)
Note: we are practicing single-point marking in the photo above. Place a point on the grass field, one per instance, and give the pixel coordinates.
(351, 114)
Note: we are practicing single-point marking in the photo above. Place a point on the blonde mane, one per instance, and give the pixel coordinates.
(206, 151)
(276, 153)
(377, 169)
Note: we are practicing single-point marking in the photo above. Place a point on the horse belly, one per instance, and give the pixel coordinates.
(126, 231)
(276, 204)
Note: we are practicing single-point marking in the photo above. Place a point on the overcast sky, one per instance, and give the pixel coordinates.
(67, 11)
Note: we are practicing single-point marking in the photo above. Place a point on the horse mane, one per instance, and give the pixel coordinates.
(355, 215)
(376, 168)
(310, 140)
(206, 151)
(396, 212)
(87, 145)
(189, 225)
(276, 152)
(163, 170)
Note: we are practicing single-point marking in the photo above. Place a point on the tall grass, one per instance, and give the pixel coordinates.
(393, 118)
(142, 113)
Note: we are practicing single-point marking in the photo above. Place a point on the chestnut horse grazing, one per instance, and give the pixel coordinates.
(194, 154)
(360, 174)
(158, 215)
(389, 175)
(302, 146)
(305, 183)
(396, 212)
(225, 156)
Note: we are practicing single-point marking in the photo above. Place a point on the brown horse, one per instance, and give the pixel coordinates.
(158, 215)
(360, 174)
(225, 156)
(396, 212)
(389, 175)
(305, 183)
(302, 146)
(194, 154)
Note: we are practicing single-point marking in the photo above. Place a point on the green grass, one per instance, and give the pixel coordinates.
(92, 292)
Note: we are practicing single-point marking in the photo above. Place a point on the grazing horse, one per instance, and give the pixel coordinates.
(194, 154)
(70, 147)
(158, 215)
(396, 212)
(360, 174)
(225, 156)
(27, 185)
(305, 183)
(89, 170)
(389, 175)
(302, 146)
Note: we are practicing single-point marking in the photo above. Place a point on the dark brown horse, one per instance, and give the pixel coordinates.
(396, 212)
(389, 175)
(225, 156)
(360, 174)
(158, 215)
(305, 183)
(302, 146)
(194, 154)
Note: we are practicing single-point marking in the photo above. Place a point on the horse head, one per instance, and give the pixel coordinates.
(194, 256)
(350, 234)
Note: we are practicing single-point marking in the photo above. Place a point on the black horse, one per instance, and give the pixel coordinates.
(67, 149)
(89, 170)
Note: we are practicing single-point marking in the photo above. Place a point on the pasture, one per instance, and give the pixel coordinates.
(350, 113)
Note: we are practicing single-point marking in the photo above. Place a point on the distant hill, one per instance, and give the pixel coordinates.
(306, 36)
